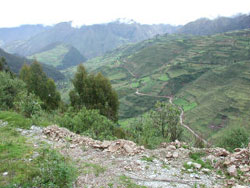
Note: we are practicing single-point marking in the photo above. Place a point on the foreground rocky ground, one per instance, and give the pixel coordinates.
(107, 163)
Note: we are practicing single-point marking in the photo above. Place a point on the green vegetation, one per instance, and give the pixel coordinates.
(15, 120)
(94, 92)
(207, 75)
(186, 106)
(15, 63)
(87, 122)
(49, 169)
(38, 83)
(147, 159)
(59, 55)
(157, 126)
(9, 89)
(237, 137)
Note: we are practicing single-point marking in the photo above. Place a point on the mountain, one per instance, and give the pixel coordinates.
(24, 32)
(208, 76)
(16, 62)
(59, 55)
(90, 40)
(205, 26)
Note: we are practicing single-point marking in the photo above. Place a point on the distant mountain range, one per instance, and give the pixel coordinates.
(63, 46)
(90, 40)
(205, 26)
(16, 62)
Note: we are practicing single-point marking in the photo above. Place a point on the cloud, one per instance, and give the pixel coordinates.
(16, 12)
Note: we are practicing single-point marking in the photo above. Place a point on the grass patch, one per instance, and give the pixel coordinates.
(15, 120)
(196, 155)
(164, 77)
(48, 169)
(185, 104)
(148, 159)
(135, 84)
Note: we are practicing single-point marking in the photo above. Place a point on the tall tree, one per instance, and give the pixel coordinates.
(94, 92)
(39, 84)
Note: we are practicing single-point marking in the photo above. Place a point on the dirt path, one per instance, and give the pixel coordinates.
(171, 102)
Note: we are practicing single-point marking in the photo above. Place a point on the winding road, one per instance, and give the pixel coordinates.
(171, 102)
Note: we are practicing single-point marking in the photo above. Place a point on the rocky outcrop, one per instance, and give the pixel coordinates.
(124, 147)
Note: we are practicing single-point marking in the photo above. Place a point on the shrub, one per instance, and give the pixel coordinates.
(9, 88)
(54, 170)
(234, 138)
(27, 104)
(88, 122)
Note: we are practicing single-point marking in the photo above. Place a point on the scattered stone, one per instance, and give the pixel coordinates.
(171, 147)
(119, 146)
(205, 170)
(240, 186)
(169, 155)
(197, 165)
(175, 154)
(190, 170)
(127, 148)
(232, 171)
(5, 173)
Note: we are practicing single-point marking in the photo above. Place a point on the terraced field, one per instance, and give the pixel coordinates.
(208, 76)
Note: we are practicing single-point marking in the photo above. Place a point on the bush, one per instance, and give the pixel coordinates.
(234, 138)
(54, 170)
(27, 104)
(9, 88)
(88, 122)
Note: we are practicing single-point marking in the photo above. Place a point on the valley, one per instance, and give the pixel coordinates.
(192, 69)
(116, 103)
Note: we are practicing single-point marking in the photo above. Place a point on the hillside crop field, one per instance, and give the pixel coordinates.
(209, 77)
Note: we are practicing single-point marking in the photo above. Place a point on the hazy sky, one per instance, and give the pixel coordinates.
(17, 12)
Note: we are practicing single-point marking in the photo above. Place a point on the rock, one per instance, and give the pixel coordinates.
(189, 163)
(197, 176)
(211, 158)
(245, 168)
(171, 148)
(239, 186)
(175, 154)
(197, 165)
(190, 170)
(222, 152)
(206, 170)
(5, 173)
(237, 149)
(72, 146)
(105, 144)
(169, 155)
(232, 171)
(113, 147)
(177, 143)
(127, 148)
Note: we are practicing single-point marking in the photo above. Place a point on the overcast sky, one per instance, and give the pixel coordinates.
(18, 12)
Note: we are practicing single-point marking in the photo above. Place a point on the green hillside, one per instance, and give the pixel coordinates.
(59, 55)
(208, 76)
(16, 62)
